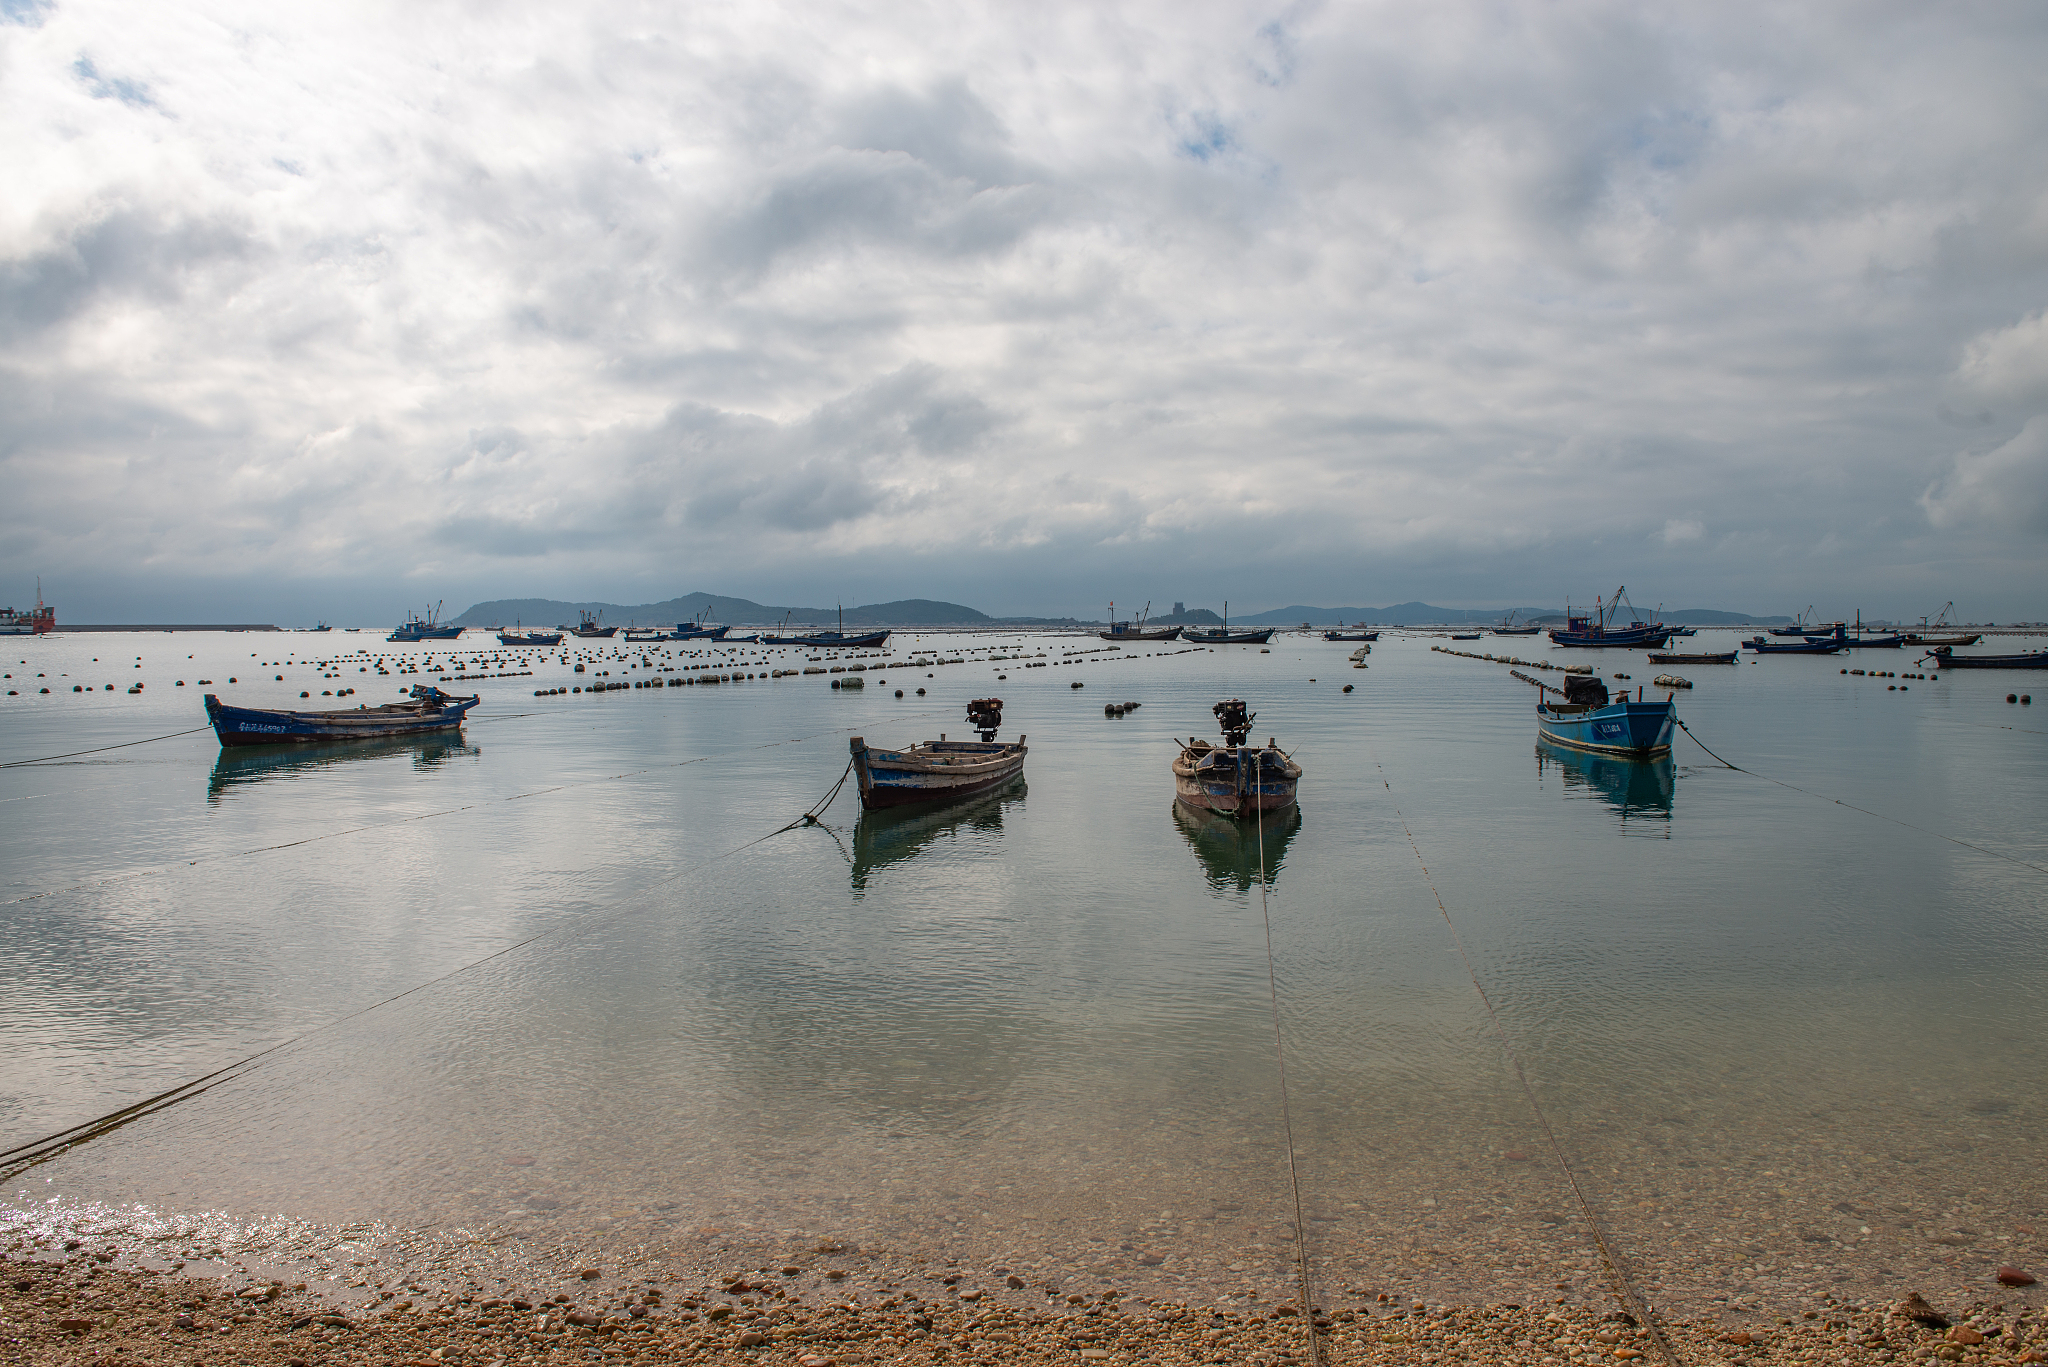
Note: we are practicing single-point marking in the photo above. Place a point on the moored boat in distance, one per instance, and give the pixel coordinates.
(1224, 636)
(591, 626)
(529, 638)
(1340, 634)
(1825, 646)
(1508, 627)
(2030, 659)
(1234, 779)
(829, 640)
(38, 621)
(428, 709)
(1585, 719)
(1594, 629)
(1135, 630)
(941, 770)
(1726, 657)
(428, 628)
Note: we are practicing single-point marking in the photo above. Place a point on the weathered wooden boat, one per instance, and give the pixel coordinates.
(1342, 635)
(1464, 636)
(1962, 638)
(428, 628)
(529, 638)
(1800, 626)
(1758, 644)
(1584, 719)
(1508, 627)
(1597, 630)
(1840, 632)
(828, 640)
(428, 709)
(1710, 658)
(1224, 636)
(939, 770)
(1234, 779)
(2031, 659)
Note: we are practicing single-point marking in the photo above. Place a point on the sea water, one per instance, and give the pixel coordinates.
(572, 977)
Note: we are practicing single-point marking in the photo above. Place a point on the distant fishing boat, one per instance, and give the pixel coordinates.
(1800, 626)
(1584, 719)
(591, 626)
(1826, 646)
(697, 629)
(1135, 630)
(1508, 627)
(1840, 632)
(529, 638)
(38, 621)
(1963, 638)
(1723, 658)
(828, 640)
(940, 770)
(1594, 630)
(2031, 659)
(1234, 779)
(1224, 636)
(1342, 635)
(429, 709)
(1464, 636)
(428, 628)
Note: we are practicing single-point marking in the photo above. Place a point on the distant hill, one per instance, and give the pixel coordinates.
(548, 612)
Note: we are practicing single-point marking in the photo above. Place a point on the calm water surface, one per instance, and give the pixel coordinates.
(1792, 1041)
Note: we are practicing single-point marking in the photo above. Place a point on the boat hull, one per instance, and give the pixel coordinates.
(1517, 631)
(267, 726)
(1763, 647)
(1724, 658)
(935, 772)
(1638, 729)
(2033, 659)
(830, 640)
(424, 633)
(1624, 640)
(1230, 638)
(530, 638)
(1163, 634)
(1351, 636)
(1249, 784)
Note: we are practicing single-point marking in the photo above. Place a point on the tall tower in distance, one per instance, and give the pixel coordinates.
(1179, 608)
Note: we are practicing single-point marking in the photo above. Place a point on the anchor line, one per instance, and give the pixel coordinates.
(1881, 816)
(1308, 1303)
(21, 1157)
(1617, 1272)
(45, 759)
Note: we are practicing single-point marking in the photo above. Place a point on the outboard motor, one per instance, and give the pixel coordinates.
(985, 715)
(1584, 688)
(1235, 721)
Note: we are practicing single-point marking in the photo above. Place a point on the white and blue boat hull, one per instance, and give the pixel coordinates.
(1636, 729)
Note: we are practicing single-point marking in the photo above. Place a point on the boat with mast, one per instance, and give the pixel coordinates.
(828, 640)
(1940, 633)
(1135, 630)
(39, 621)
(1224, 636)
(428, 628)
(1508, 627)
(1595, 630)
(591, 626)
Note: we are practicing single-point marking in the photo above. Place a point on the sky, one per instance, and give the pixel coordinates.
(338, 310)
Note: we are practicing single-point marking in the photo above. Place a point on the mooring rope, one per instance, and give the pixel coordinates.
(1881, 816)
(45, 759)
(1617, 1273)
(1308, 1303)
(17, 1160)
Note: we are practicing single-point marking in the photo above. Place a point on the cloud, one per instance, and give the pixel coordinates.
(1323, 303)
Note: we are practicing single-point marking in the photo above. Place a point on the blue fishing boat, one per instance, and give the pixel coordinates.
(696, 629)
(1341, 635)
(529, 638)
(1948, 659)
(427, 709)
(1825, 646)
(1597, 629)
(1584, 719)
(1224, 636)
(828, 640)
(428, 628)
(1234, 779)
(1135, 630)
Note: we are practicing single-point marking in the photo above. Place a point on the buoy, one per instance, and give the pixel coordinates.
(2027, 698)
(1076, 684)
(1347, 688)
(305, 694)
(899, 692)
(920, 692)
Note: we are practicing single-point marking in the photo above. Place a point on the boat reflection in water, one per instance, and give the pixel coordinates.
(1639, 789)
(889, 834)
(1229, 848)
(236, 768)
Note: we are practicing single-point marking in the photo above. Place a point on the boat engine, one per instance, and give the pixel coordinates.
(985, 715)
(1579, 688)
(1235, 721)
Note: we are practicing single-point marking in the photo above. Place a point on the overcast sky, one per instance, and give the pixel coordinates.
(335, 309)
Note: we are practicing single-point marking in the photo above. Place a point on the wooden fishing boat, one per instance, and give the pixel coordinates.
(529, 638)
(1584, 719)
(940, 770)
(428, 628)
(1342, 635)
(590, 628)
(1508, 627)
(1963, 638)
(1822, 647)
(428, 709)
(1724, 658)
(1464, 636)
(2031, 659)
(1840, 632)
(1234, 779)
(1597, 630)
(1224, 636)
(1134, 630)
(828, 640)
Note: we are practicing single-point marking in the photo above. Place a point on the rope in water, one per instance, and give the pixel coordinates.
(1308, 1303)
(20, 1158)
(1881, 816)
(1617, 1273)
(45, 759)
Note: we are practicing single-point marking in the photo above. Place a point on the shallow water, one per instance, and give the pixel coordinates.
(1789, 1042)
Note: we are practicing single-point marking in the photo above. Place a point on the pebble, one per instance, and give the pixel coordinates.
(2013, 1276)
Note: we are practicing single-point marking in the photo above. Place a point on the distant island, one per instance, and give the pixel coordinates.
(930, 612)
